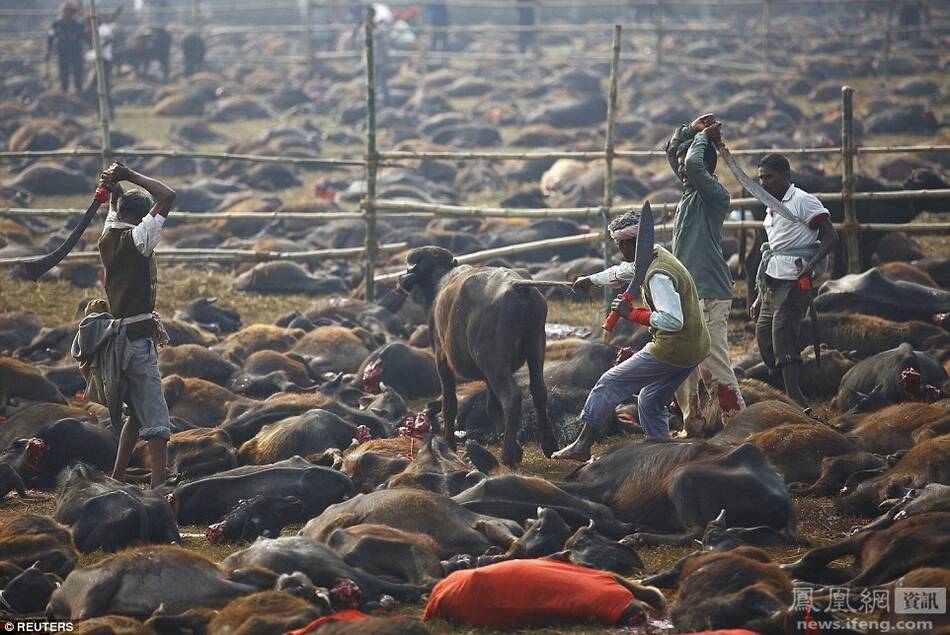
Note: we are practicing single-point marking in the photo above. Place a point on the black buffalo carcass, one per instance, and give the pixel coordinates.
(669, 490)
(483, 325)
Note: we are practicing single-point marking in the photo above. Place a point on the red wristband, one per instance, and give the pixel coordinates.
(102, 194)
(640, 315)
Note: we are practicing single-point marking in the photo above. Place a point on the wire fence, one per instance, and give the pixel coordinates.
(372, 208)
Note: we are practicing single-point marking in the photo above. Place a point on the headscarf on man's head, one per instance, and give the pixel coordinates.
(638, 225)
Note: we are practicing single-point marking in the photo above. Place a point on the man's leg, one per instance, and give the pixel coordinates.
(619, 383)
(790, 306)
(654, 399)
(763, 330)
(127, 439)
(77, 73)
(687, 395)
(724, 385)
(62, 64)
(145, 394)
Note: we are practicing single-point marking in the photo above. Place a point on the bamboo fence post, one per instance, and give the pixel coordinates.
(100, 86)
(851, 246)
(609, 154)
(766, 32)
(886, 61)
(196, 15)
(308, 33)
(536, 45)
(659, 32)
(372, 159)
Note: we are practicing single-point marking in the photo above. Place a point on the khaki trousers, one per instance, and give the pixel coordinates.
(715, 371)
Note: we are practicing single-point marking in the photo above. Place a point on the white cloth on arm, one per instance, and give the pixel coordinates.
(668, 315)
(783, 233)
(146, 235)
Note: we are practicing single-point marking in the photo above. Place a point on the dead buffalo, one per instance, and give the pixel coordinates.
(880, 556)
(26, 539)
(760, 416)
(27, 422)
(40, 458)
(401, 556)
(247, 419)
(193, 453)
(194, 360)
(371, 464)
(264, 613)
(883, 374)
(19, 381)
(205, 313)
(207, 499)
(867, 335)
(813, 458)
(198, 401)
(518, 498)
(483, 326)
(741, 588)
(927, 462)
(872, 293)
(435, 468)
(137, 582)
(258, 516)
(895, 428)
(670, 489)
(454, 529)
(934, 497)
(29, 590)
(407, 370)
(310, 433)
(107, 514)
(298, 553)
(589, 548)
(819, 381)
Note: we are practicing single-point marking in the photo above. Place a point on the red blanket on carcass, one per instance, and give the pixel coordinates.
(525, 593)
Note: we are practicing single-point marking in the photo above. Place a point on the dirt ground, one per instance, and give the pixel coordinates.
(54, 302)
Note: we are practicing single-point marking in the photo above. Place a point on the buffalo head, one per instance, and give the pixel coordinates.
(426, 266)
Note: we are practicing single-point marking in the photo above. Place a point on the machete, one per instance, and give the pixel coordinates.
(33, 269)
(754, 188)
(804, 285)
(641, 261)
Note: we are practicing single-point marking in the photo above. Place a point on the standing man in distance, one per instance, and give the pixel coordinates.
(697, 243)
(68, 34)
(783, 294)
(132, 230)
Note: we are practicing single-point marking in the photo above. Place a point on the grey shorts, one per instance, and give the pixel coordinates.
(143, 391)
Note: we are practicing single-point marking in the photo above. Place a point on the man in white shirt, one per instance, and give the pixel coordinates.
(796, 248)
(132, 230)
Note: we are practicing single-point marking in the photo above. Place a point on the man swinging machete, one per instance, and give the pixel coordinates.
(800, 237)
(119, 346)
(675, 318)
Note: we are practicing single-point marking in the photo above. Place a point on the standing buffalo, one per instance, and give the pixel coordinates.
(483, 325)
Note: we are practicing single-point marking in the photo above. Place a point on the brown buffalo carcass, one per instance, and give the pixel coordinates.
(880, 556)
(925, 463)
(726, 589)
(483, 325)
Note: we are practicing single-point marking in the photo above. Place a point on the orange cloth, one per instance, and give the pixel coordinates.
(526, 593)
(342, 616)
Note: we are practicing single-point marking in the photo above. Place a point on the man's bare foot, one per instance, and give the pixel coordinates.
(580, 449)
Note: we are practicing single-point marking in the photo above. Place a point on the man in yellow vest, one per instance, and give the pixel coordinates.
(675, 318)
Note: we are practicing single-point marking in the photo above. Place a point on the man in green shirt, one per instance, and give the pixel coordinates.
(697, 243)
